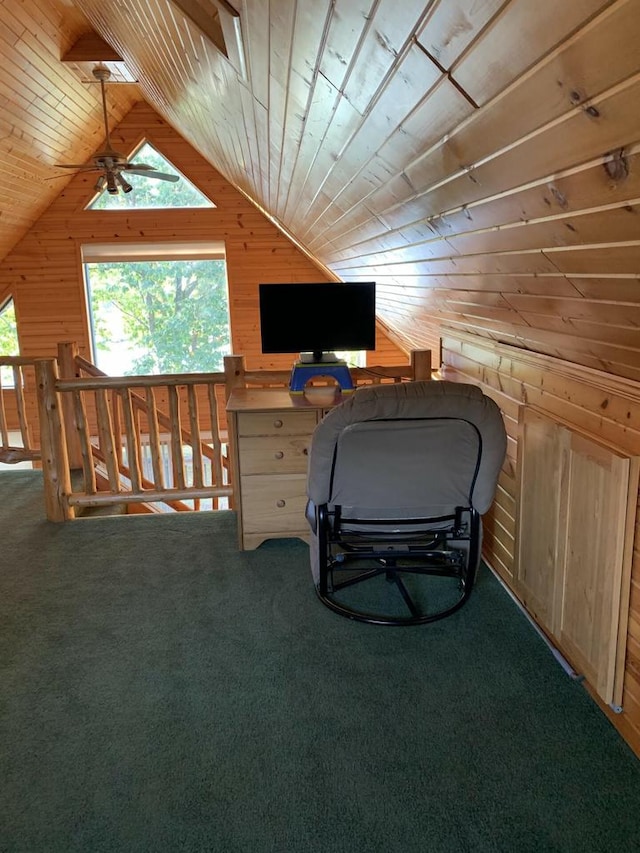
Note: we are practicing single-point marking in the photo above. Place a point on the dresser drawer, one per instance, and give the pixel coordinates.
(276, 423)
(274, 503)
(280, 454)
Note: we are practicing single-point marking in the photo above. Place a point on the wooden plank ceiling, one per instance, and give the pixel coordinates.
(478, 160)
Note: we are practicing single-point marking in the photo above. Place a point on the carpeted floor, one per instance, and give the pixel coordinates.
(161, 691)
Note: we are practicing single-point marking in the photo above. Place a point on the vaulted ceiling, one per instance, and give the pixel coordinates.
(477, 159)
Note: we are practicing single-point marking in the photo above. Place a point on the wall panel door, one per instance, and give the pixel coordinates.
(576, 516)
(601, 484)
(540, 466)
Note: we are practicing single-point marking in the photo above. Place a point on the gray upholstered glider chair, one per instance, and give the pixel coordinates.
(399, 477)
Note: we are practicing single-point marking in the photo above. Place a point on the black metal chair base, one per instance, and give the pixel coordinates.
(415, 615)
(338, 556)
(380, 619)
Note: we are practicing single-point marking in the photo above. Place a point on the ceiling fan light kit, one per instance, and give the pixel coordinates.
(110, 163)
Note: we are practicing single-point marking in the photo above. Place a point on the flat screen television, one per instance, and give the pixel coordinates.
(317, 317)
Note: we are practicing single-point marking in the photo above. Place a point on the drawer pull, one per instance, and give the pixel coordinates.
(281, 503)
(277, 424)
(278, 454)
(305, 451)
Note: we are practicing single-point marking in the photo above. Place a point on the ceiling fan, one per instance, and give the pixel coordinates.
(109, 163)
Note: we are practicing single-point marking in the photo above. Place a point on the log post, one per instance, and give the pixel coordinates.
(67, 352)
(19, 385)
(234, 371)
(421, 364)
(55, 462)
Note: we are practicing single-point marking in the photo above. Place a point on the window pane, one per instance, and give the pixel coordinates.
(155, 317)
(149, 192)
(8, 340)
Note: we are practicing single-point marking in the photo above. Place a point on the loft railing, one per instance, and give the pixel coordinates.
(139, 440)
(167, 456)
(418, 368)
(18, 411)
(96, 429)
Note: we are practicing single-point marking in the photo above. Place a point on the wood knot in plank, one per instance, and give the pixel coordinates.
(617, 165)
(559, 196)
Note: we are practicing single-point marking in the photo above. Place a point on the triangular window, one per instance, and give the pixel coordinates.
(8, 340)
(147, 191)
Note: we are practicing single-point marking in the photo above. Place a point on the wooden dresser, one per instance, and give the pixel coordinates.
(270, 433)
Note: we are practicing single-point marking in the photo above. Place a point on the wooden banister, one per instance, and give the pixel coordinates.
(67, 356)
(126, 406)
(234, 374)
(15, 403)
(237, 375)
(421, 364)
(88, 418)
(55, 462)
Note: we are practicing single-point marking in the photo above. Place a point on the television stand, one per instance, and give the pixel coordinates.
(318, 357)
(302, 372)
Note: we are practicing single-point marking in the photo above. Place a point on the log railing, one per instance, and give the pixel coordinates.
(107, 423)
(17, 411)
(141, 440)
(207, 455)
(418, 368)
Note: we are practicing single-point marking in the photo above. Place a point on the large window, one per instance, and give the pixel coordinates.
(157, 315)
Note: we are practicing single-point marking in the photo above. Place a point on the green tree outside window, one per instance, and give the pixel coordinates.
(173, 316)
(8, 340)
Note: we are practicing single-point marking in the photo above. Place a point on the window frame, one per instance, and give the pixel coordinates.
(124, 252)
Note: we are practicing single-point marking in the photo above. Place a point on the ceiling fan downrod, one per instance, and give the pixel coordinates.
(102, 74)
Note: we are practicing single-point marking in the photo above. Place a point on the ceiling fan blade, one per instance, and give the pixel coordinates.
(54, 177)
(78, 167)
(151, 173)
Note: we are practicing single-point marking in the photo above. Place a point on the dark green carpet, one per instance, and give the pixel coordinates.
(161, 691)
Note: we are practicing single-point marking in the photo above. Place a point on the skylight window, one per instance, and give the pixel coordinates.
(220, 23)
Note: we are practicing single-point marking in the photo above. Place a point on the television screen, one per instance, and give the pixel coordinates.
(318, 317)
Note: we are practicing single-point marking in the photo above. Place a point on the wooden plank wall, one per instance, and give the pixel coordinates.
(48, 116)
(603, 405)
(43, 273)
(479, 160)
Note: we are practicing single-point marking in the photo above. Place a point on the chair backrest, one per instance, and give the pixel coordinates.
(391, 450)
